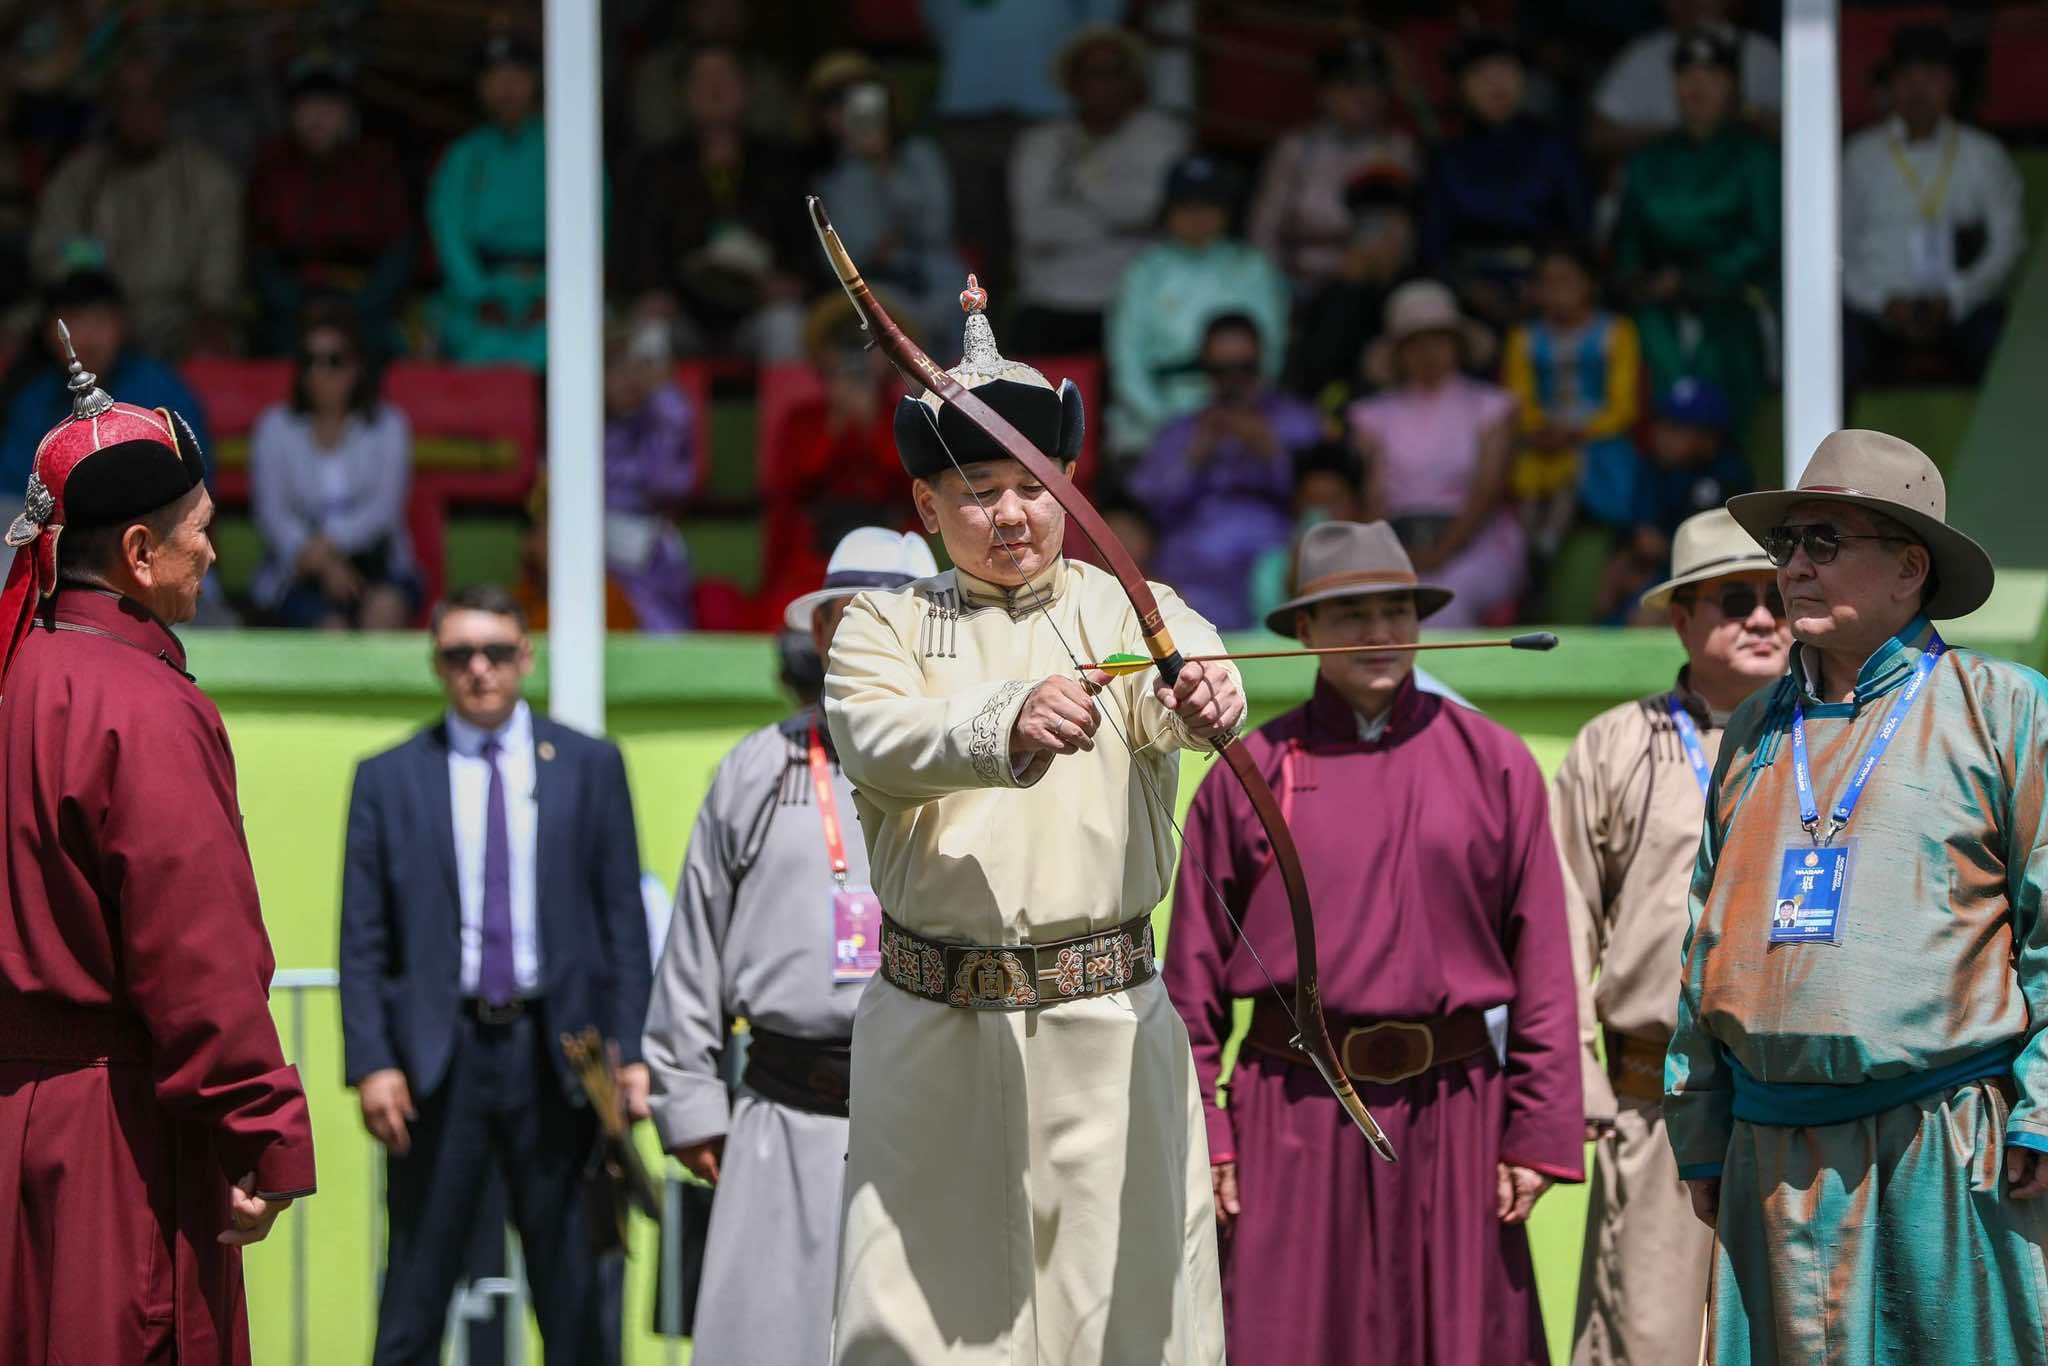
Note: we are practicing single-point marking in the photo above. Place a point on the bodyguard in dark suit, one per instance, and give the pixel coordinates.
(490, 903)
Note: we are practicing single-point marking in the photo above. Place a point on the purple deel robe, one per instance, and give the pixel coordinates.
(1216, 520)
(1436, 888)
(650, 466)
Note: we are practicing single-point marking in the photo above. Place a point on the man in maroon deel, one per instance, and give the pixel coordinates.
(149, 1125)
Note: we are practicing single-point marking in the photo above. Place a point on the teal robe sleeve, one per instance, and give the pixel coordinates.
(1131, 361)
(1746, 255)
(449, 220)
(1699, 1094)
(2026, 863)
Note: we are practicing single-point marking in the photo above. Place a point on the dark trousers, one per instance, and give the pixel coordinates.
(1873, 354)
(500, 1108)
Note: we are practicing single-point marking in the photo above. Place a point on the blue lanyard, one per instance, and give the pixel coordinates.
(1689, 736)
(1802, 775)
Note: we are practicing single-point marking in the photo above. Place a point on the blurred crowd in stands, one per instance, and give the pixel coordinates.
(1539, 306)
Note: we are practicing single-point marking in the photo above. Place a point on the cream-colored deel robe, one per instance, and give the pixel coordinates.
(1028, 1188)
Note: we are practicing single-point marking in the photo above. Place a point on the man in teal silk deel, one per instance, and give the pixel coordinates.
(1855, 1090)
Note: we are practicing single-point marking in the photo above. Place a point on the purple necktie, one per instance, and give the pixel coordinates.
(495, 981)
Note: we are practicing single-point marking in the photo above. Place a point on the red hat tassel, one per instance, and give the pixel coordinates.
(18, 605)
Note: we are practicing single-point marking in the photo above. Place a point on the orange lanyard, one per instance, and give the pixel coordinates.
(828, 807)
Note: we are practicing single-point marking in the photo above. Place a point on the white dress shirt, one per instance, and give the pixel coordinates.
(469, 785)
(1888, 249)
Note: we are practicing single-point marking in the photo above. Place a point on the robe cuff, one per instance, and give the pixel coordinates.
(2024, 1138)
(1222, 1142)
(689, 1107)
(1554, 1145)
(1700, 1125)
(1600, 1103)
(988, 740)
(284, 1169)
(1569, 1175)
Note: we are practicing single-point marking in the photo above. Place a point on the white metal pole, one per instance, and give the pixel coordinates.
(1812, 252)
(575, 262)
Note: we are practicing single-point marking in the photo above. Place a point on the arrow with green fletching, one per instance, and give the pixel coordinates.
(1119, 664)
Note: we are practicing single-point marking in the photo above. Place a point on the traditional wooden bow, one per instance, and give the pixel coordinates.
(1312, 1034)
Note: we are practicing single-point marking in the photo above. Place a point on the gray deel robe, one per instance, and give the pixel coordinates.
(752, 939)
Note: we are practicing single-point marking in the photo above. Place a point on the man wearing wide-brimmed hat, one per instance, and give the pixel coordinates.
(774, 924)
(1855, 1097)
(1423, 832)
(1026, 1179)
(1626, 807)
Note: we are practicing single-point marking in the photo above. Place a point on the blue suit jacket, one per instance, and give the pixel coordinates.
(401, 912)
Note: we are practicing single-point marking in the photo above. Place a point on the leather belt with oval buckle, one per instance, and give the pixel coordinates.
(1388, 1052)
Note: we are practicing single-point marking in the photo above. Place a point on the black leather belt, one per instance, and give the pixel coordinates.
(812, 1075)
(1018, 976)
(483, 1012)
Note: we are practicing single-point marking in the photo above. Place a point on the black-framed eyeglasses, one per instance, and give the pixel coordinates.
(1738, 600)
(499, 653)
(1820, 541)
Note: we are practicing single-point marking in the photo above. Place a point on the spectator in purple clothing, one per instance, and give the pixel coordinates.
(650, 467)
(1219, 482)
(1506, 184)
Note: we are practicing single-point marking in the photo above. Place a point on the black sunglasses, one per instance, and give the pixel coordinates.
(1232, 369)
(330, 360)
(457, 657)
(1820, 541)
(1738, 600)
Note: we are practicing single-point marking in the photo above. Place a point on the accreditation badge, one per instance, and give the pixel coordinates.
(1812, 884)
(1930, 256)
(856, 934)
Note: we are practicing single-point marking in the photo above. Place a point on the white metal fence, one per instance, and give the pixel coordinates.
(504, 1297)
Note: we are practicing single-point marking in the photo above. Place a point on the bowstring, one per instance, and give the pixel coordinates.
(1108, 714)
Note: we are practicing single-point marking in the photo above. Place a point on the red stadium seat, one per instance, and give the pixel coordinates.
(787, 386)
(2015, 95)
(233, 393)
(694, 379)
(476, 429)
(783, 388)
(426, 516)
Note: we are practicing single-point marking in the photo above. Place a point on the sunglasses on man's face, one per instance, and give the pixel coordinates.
(498, 653)
(1738, 601)
(1820, 541)
(330, 360)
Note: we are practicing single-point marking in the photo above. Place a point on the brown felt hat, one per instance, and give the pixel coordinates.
(1884, 474)
(1346, 560)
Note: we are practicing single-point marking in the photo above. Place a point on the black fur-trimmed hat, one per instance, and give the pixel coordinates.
(931, 437)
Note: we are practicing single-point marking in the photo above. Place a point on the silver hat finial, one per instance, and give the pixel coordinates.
(88, 400)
